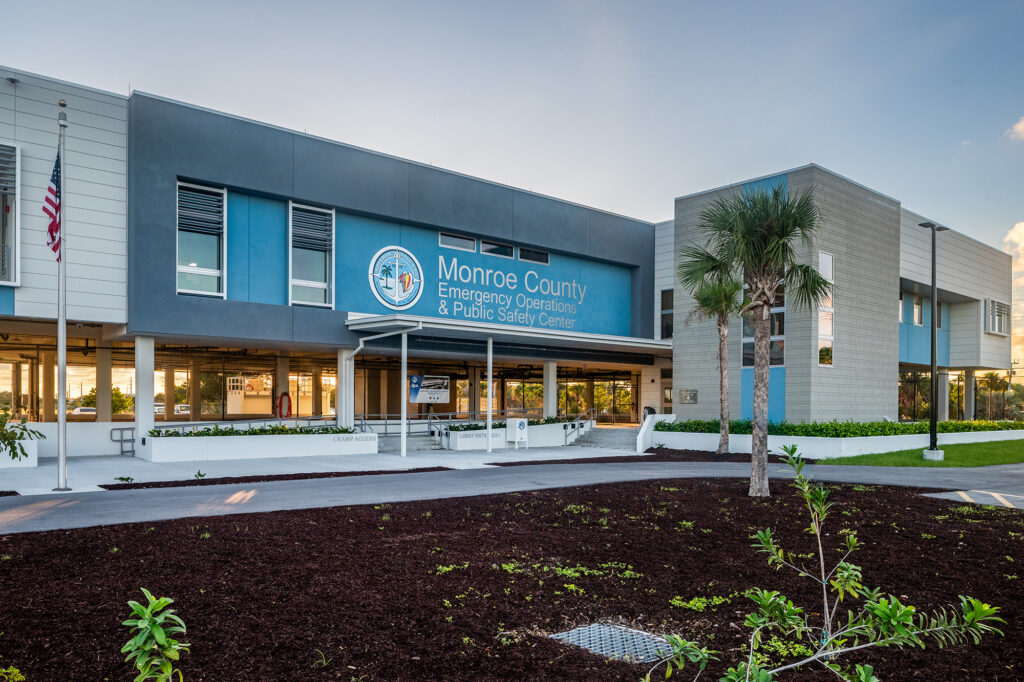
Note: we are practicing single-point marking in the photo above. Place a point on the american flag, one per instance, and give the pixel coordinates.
(51, 207)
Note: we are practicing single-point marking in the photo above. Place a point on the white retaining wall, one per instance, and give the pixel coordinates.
(813, 447)
(205, 448)
(540, 436)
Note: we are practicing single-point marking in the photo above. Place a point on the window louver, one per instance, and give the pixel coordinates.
(8, 171)
(200, 210)
(312, 229)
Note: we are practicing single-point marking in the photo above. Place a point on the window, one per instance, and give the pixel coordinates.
(918, 311)
(826, 312)
(901, 306)
(495, 249)
(776, 329)
(454, 241)
(201, 217)
(997, 317)
(666, 313)
(312, 255)
(533, 255)
(9, 236)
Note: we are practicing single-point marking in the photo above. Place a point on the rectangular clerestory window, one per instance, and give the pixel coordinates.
(667, 296)
(311, 257)
(826, 312)
(777, 330)
(201, 248)
(997, 317)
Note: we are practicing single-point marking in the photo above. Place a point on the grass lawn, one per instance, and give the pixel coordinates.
(961, 455)
(469, 588)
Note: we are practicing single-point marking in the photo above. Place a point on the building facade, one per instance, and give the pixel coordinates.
(218, 264)
(844, 361)
(248, 261)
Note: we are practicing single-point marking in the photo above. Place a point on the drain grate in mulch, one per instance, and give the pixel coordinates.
(616, 641)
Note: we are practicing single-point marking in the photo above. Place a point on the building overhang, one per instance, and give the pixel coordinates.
(467, 330)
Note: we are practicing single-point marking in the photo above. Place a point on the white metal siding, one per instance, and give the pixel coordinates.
(94, 171)
(664, 267)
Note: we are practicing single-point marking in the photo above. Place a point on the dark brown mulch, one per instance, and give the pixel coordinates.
(653, 455)
(465, 589)
(223, 480)
(8, 493)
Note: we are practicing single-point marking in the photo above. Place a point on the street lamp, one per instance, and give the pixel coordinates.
(933, 452)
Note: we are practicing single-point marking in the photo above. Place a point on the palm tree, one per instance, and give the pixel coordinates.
(756, 232)
(718, 300)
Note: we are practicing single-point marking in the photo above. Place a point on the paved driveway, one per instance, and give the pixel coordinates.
(76, 510)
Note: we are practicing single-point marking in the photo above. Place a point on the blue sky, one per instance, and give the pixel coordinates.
(618, 105)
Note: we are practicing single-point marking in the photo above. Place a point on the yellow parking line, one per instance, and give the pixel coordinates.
(966, 497)
(1003, 500)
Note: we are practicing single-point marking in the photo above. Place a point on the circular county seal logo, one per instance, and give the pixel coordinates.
(396, 278)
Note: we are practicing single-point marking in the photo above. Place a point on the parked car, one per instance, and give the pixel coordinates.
(182, 409)
(84, 410)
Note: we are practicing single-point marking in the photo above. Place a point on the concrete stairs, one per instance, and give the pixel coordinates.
(418, 443)
(617, 438)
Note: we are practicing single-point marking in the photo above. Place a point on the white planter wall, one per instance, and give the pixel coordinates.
(541, 436)
(827, 448)
(85, 439)
(32, 460)
(205, 448)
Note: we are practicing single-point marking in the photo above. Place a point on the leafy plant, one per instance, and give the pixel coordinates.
(268, 430)
(151, 649)
(12, 433)
(11, 674)
(124, 479)
(199, 475)
(836, 429)
(852, 616)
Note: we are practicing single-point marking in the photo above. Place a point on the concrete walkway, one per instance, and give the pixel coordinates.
(76, 510)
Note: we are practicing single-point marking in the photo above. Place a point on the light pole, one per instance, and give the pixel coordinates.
(933, 452)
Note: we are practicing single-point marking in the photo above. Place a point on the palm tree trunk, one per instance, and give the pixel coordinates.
(759, 445)
(723, 385)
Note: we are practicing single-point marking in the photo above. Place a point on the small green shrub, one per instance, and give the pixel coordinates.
(12, 434)
(837, 429)
(820, 635)
(11, 674)
(268, 430)
(151, 649)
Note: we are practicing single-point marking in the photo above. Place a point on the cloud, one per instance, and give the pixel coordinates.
(1014, 242)
(1016, 132)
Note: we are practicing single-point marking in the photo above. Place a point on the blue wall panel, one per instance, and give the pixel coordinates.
(257, 249)
(602, 308)
(776, 393)
(6, 300)
(916, 340)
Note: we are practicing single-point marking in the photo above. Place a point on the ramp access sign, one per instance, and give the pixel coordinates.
(424, 388)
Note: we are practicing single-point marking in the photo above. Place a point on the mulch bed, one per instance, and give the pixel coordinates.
(653, 455)
(467, 589)
(8, 493)
(227, 480)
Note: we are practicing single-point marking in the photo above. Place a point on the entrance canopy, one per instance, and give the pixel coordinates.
(466, 330)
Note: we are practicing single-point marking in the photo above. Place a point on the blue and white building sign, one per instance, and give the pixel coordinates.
(396, 278)
(416, 275)
(429, 389)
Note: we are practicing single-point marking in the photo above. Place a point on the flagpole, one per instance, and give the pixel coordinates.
(62, 318)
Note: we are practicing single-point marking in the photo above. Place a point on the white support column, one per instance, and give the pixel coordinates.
(195, 389)
(346, 390)
(104, 370)
(318, 391)
(969, 390)
(49, 389)
(943, 412)
(144, 369)
(168, 393)
(490, 388)
(281, 377)
(550, 388)
(405, 390)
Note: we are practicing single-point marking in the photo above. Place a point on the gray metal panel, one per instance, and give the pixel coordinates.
(550, 224)
(170, 140)
(336, 175)
(445, 199)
